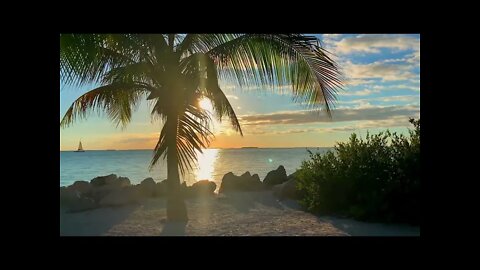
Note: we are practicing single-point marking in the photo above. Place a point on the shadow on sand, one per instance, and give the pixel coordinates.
(244, 201)
(174, 229)
(94, 222)
(359, 228)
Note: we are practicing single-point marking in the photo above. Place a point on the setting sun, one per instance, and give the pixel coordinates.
(206, 104)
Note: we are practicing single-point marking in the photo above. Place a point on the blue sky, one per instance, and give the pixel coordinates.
(382, 90)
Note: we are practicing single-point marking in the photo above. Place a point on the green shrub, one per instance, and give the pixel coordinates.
(376, 179)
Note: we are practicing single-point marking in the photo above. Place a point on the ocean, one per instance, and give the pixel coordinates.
(213, 164)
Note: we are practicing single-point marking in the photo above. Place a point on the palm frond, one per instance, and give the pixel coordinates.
(117, 100)
(140, 72)
(193, 134)
(86, 58)
(203, 73)
(277, 60)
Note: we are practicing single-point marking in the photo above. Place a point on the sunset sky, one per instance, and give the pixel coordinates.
(382, 91)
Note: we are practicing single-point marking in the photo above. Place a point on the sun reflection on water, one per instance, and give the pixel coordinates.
(206, 164)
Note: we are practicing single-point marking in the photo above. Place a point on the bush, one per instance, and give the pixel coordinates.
(376, 179)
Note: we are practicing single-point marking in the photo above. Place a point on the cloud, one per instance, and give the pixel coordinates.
(373, 43)
(338, 115)
(364, 92)
(295, 131)
(414, 87)
(394, 121)
(278, 89)
(354, 82)
(379, 70)
(232, 97)
(406, 98)
(332, 36)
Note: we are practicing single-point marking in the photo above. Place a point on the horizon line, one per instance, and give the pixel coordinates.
(255, 147)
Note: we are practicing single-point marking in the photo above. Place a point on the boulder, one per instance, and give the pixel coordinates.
(148, 181)
(246, 175)
(67, 196)
(160, 189)
(83, 187)
(275, 177)
(104, 185)
(202, 188)
(147, 187)
(82, 204)
(287, 190)
(123, 181)
(123, 196)
(245, 182)
(293, 175)
(103, 180)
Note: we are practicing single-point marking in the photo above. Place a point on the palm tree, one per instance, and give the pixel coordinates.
(175, 71)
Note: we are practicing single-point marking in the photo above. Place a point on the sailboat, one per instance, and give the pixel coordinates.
(80, 148)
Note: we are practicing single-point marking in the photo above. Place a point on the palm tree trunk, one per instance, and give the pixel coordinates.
(176, 208)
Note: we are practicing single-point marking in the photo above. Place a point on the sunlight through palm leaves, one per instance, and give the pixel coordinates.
(177, 71)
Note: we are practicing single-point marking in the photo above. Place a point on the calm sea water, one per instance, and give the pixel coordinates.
(212, 164)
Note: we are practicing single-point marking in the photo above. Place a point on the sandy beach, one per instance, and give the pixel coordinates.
(235, 214)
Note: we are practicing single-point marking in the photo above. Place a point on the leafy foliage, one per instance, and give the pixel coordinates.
(375, 179)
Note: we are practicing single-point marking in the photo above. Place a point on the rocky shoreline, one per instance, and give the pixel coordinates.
(112, 190)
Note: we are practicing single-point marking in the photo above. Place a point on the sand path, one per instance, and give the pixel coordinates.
(238, 214)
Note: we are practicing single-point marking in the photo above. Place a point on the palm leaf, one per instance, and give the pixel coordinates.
(117, 100)
(276, 60)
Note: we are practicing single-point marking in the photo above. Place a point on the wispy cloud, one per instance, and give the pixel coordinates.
(379, 70)
(364, 92)
(354, 82)
(373, 43)
(232, 97)
(338, 115)
(392, 122)
(414, 87)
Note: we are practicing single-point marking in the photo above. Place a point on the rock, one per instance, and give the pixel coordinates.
(82, 204)
(124, 181)
(293, 175)
(103, 180)
(202, 188)
(67, 196)
(126, 195)
(160, 189)
(245, 182)
(147, 187)
(287, 190)
(246, 175)
(103, 185)
(83, 187)
(228, 182)
(276, 177)
(148, 181)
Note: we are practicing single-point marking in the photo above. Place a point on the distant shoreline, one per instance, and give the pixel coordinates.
(236, 148)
